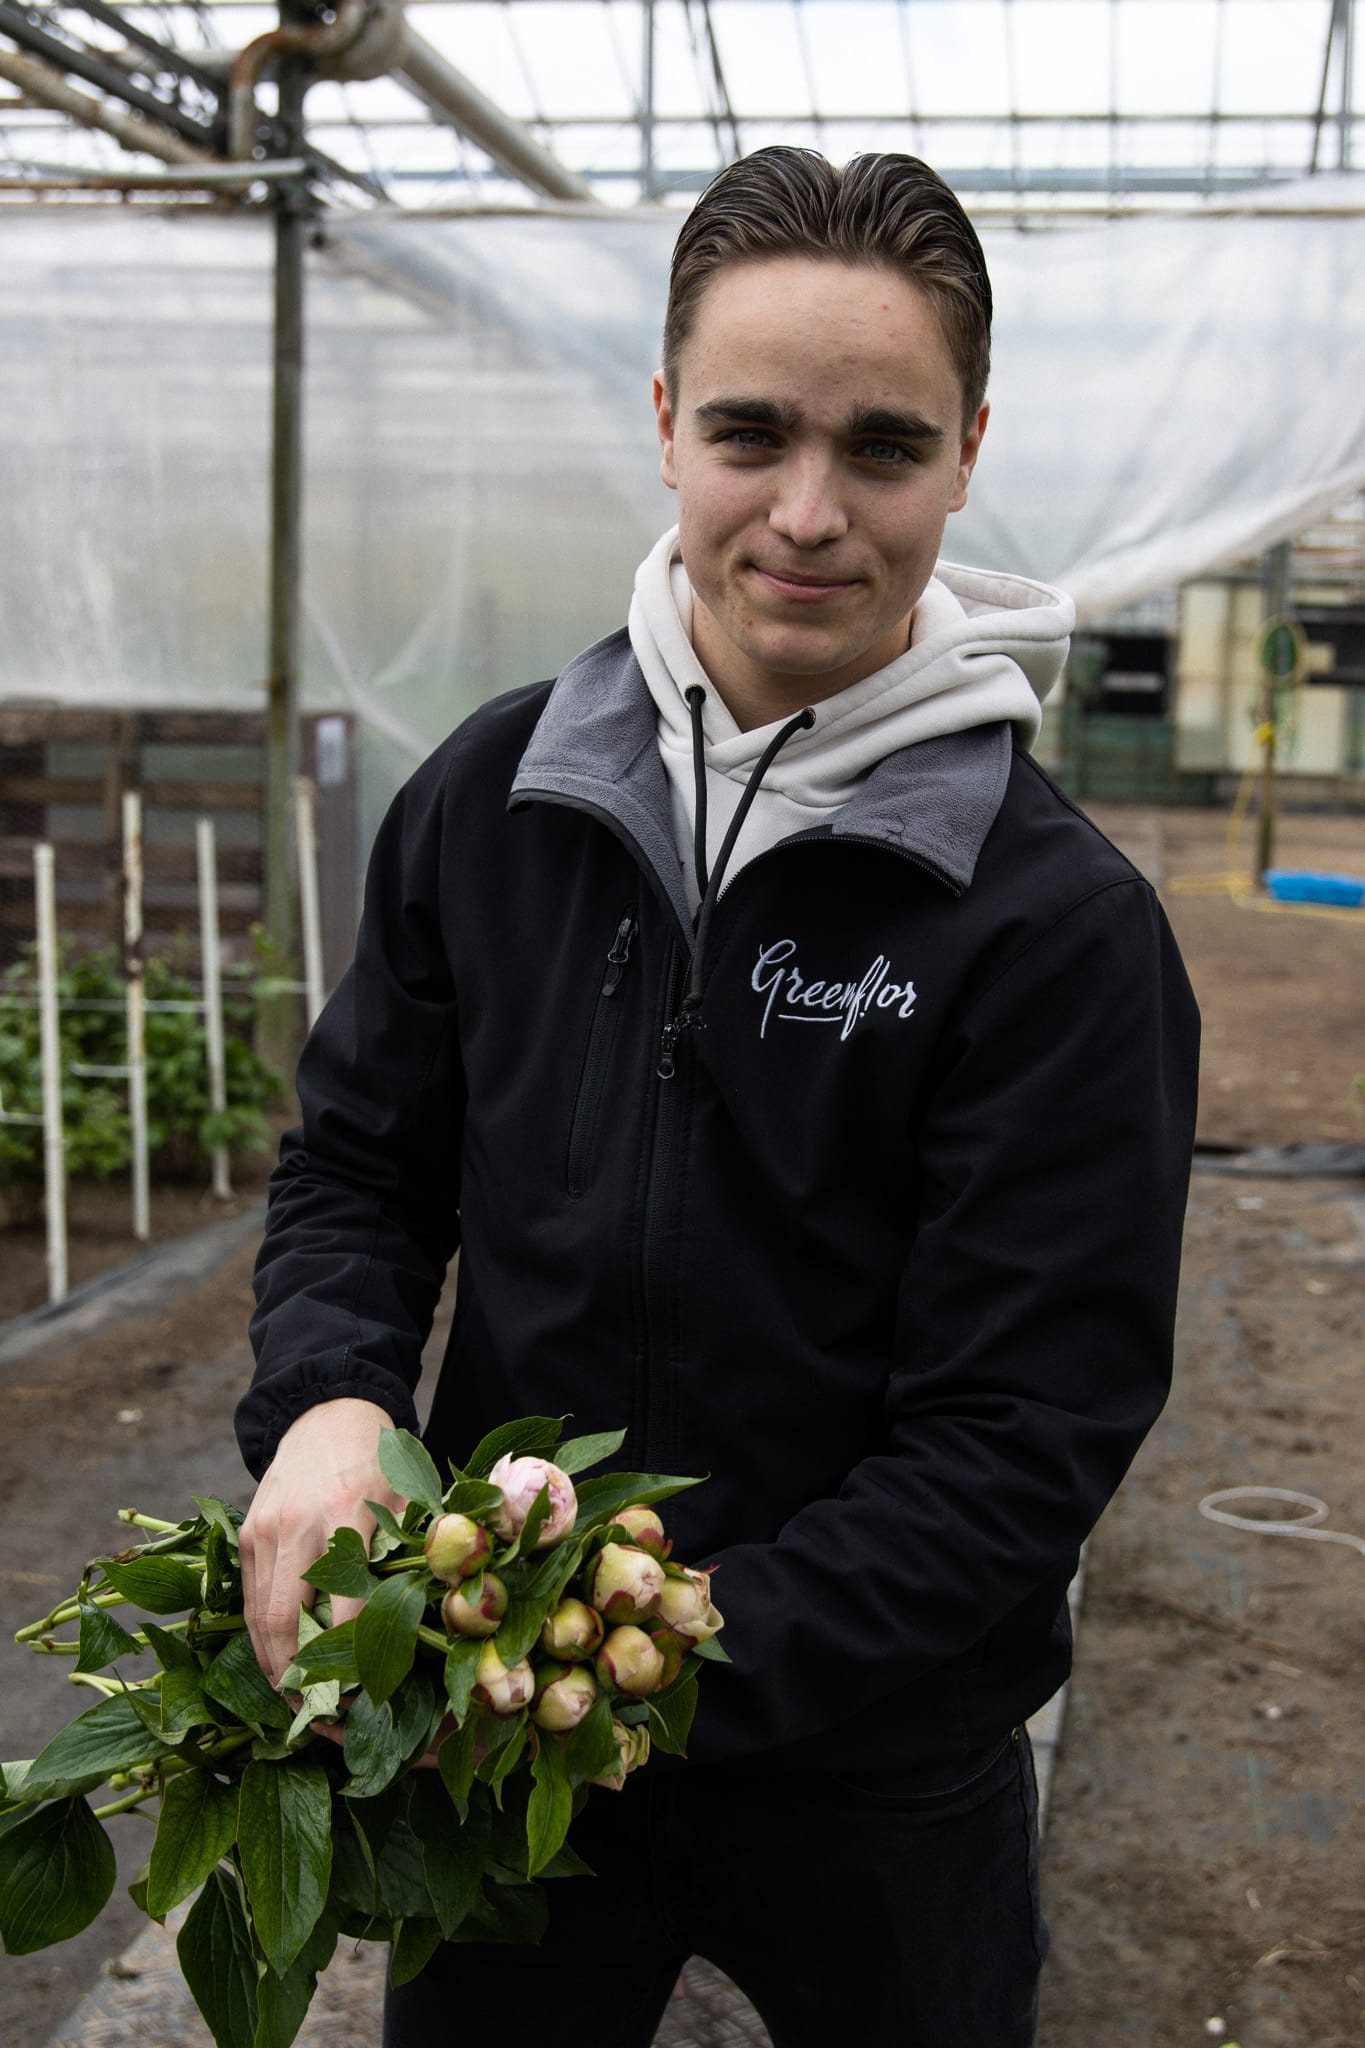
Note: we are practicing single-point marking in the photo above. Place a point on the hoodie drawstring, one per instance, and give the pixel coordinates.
(711, 885)
(695, 699)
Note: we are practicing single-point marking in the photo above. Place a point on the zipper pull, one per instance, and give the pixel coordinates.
(671, 1034)
(619, 954)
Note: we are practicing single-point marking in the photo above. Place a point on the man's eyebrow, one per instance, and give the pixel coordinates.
(875, 422)
(755, 412)
(886, 423)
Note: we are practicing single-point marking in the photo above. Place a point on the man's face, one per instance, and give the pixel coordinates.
(817, 447)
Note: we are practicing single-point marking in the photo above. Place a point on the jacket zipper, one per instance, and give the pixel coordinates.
(583, 1127)
(655, 1446)
(681, 1019)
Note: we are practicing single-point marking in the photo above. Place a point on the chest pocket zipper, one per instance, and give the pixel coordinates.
(587, 1109)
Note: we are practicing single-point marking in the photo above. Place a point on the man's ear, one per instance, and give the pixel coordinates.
(966, 460)
(663, 416)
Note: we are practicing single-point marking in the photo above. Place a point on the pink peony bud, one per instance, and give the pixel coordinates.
(573, 1632)
(456, 1547)
(506, 1692)
(632, 1750)
(629, 1662)
(521, 1479)
(624, 1584)
(564, 1692)
(685, 1607)
(646, 1531)
(477, 1617)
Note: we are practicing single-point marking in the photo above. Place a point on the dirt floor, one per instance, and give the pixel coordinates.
(1203, 1860)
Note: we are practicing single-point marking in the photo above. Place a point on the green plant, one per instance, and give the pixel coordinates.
(182, 1127)
(445, 1797)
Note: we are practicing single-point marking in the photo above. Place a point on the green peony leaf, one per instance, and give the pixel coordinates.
(381, 1739)
(520, 1627)
(456, 1760)
(386, 1634)
(183, 1704)
(220, 1515)
(284, 1834)
(581, 1451)
(452, 1857)
(591, 1749)
(551, 1805)
(409, 1468)
(56, 1874)
(102, 1638)
(462, 1664)
(172, 1651)
(329, 1655)
(218, 1963)
(163, 1585)
(599, 1499)
(670, 1714)
(110, 1736)
(283, 2001)
(532, 1436)
(415, 1942)
(711, 1650)
(194, 1831)
(344, 1567)
(471, 1497)
(237, 1682)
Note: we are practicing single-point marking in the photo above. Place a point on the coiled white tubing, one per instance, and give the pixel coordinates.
(1306, 1524)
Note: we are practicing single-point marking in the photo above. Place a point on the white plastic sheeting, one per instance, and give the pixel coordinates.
(481, 472)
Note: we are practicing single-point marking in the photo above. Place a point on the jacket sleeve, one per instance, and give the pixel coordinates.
(1034, 1338)
(363, 1214)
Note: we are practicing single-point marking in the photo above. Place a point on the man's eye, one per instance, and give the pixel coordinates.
(888, 453)
(747, 437)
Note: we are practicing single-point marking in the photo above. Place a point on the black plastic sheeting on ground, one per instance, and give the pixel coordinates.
(1313, 1159)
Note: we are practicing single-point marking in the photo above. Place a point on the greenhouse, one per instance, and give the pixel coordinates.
(328, 337)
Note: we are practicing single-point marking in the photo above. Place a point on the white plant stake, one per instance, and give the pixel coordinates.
(211, 955)
(137, 1010)
(54, 1141)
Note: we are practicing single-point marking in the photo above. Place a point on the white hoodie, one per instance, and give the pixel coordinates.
(983, 648)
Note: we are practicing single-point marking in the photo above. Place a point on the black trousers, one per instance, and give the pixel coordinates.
(910, 1912)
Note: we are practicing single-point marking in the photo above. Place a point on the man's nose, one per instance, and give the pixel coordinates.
(807, 507)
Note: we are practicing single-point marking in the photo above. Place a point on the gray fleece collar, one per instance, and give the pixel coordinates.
(595, 745)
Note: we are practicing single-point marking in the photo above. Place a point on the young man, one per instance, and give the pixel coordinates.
(810, 1088)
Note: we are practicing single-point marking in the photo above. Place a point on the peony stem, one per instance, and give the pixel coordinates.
(67, 1610)
(146, 1521)
(435, 1640)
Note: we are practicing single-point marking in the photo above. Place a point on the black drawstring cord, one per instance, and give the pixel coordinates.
(691, 1002)
(695, 699)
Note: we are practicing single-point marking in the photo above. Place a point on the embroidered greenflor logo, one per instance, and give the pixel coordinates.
(791, 999)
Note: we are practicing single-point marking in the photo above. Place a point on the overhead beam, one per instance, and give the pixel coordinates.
(458, 102)
(44, 83)
(106, 76)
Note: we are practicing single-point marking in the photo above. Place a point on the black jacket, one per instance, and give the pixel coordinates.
(891, 1254)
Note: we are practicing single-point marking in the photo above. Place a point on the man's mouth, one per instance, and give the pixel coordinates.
(803, 585)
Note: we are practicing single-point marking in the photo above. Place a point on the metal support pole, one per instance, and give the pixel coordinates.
(1344, 150)
(54, 1139)
(277, 1014)
(212, 967)
(136, 1001)
(1275, 589)
(305, 826)
(649, 184)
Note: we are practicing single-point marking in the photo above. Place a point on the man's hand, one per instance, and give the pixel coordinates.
(324, 1471)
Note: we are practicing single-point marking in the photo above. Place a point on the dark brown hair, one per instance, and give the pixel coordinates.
(888, 209)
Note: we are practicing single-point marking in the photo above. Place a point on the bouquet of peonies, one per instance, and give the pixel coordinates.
(522, 1640)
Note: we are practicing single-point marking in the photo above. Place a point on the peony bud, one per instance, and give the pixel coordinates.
(564, 1692)
(506, 1692)
(685, 1607)
(632, 1750)
(629, 1662)
(521, 1479)
(456, 1548)
(573, 1632)
(646, 1531)
(478, 1617)
(624, 1584)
